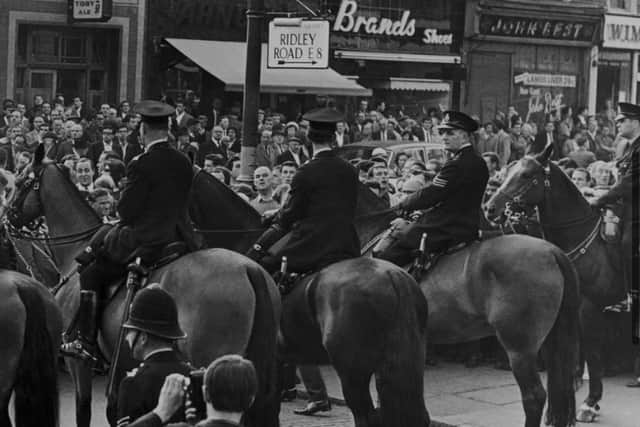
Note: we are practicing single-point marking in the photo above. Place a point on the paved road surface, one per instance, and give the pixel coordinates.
(455, 396)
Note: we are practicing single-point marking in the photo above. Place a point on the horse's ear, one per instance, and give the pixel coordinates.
(38, 156)
(544, 157)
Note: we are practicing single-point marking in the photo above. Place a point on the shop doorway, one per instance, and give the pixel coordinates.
(72, 83)
(487, 92)
(43, 83)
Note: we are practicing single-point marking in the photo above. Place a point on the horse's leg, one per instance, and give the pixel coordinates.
(82, 379)
(5, 421)
(355, 388)
(592, 322)
(525, 369)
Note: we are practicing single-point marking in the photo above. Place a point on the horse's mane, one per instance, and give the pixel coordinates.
(213, 205)
(72, 189)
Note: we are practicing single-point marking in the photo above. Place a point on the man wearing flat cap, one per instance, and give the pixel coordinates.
(628, 122)
(152, 209)
(320, 210)
(454, 199)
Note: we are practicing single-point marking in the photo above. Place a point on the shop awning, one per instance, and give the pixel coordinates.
(226, 61)
(418, 84)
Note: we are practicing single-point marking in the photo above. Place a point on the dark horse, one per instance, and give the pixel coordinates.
(364, 316)
(496, 287)
(226, 302)
(569, 222)
(236, 225)
(30, 327)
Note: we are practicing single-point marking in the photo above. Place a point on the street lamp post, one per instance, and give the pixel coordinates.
(255, 14)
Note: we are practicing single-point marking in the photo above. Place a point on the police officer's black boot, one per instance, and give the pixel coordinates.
(84, 346)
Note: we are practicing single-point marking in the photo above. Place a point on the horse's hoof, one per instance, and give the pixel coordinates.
(587, 414)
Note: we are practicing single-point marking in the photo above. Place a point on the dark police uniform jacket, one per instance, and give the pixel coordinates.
(154, 202)
(320, 214)
(455, 199)
(628, 165)
(139, 390)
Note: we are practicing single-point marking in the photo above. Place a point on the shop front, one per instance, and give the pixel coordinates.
(618, 60)
(538, 58)
(46, 54)
(406, 51)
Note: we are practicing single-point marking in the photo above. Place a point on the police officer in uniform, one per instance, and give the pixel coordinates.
(153, 212)
(320, 210)
(628, 122)
(152, 331)
(453, 200)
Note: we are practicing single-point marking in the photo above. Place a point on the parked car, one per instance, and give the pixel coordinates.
(421, 151)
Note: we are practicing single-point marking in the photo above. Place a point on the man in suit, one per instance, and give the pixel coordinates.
(108, 143)
(320, 209)
(425, 132)
(358, 126)
(152, 210)
(213, 144)
(79, 110)
(386, 133)
(181, 118)
(129, 146)
(293, 154)
(152, 331)
(544, 138)
(453, 200)
(341, 137)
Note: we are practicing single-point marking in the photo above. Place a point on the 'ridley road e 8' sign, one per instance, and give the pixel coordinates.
(296, 43)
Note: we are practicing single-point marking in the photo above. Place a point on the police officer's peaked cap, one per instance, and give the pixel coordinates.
(628, 111)
(154, 311)
(458, 120)
(153, 111)
(322, 123)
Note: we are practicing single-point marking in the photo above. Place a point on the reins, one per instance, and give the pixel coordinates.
(65, 239)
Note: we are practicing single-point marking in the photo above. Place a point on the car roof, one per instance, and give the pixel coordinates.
(392, 145)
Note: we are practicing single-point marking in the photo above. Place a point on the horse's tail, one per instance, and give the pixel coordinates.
(36, 387)
(562, 350)
(401, 376)
(262, 352)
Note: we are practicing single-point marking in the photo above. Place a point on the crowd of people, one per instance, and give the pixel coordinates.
(97, 145)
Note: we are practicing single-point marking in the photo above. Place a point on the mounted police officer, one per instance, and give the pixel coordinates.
(628, 122)
(152, 332)
(452, 202)
(320, 210)
(153, 212)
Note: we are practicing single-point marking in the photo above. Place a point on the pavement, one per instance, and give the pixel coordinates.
(455, 396)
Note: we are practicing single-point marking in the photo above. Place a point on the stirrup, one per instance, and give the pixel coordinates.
(79, 349)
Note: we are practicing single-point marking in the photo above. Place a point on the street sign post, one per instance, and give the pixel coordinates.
(298, 43)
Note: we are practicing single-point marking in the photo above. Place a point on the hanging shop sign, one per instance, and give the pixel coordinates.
(621, 32)
(89, 10)
(537, 28)
(348, 20)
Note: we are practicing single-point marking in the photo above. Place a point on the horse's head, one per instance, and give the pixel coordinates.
(26, 206)
(524, 185)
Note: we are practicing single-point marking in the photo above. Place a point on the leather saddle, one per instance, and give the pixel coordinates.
(153, 258)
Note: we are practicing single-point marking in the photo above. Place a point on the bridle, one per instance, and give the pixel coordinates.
(34, 229)
(515, 200)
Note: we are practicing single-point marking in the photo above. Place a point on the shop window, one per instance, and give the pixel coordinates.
(41, 80)
(74, 49)
(20, 77)
(44, 47)
(96, 80)
(619, 4)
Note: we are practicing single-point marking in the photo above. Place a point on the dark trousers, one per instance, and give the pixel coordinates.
(98, 274)
(313, 382)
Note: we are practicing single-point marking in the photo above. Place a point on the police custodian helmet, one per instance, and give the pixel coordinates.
(154, 311)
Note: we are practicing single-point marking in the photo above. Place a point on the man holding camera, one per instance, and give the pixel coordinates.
(150, 396)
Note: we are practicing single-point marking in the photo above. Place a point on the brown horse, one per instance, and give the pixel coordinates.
(30, 327)
(364, 316)
(568, 221)
(226, 302)
(493, 288)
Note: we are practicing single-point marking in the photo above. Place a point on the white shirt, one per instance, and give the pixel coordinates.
(296, 157)
(88, 189)
(339, 139)
(179, 117)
